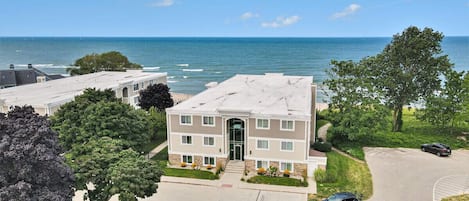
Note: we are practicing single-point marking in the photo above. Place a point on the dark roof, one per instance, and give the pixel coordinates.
(16, 77)
(7, 78)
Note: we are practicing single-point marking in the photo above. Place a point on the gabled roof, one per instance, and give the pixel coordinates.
(257, 95)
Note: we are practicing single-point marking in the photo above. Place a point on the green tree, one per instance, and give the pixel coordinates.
(156, 95)
(108, 61)
(31, 167)
(442, 108)
(156, 122)
(67, 120)
(408, 69)
(112, 169)
(354, 104)
(116, 120)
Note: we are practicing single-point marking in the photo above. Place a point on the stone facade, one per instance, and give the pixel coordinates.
(274, 164)
(174, 159)
(300, 169)
(198, 160)
(221, 161)
(250, 165)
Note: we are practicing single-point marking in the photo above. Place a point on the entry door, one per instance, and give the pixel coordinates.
(238, 152)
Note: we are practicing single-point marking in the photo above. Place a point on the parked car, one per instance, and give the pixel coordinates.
(436, 148)
(343, 196)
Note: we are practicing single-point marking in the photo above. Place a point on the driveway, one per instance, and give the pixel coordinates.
(409, 174)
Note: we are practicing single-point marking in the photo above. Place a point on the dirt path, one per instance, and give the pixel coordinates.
(322, 133)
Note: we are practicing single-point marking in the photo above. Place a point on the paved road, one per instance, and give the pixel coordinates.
(409, 174)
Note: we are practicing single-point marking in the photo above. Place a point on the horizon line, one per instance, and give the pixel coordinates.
(211, 36)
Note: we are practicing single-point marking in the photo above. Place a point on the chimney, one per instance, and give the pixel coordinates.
(30, 66)
(12, 66)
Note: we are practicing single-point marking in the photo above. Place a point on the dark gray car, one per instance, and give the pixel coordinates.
(343, 196)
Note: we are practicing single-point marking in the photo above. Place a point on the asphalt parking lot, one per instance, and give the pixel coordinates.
(409, 174)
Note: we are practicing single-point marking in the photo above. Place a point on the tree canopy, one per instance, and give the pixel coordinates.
(67, 120)
(156, 95)
(112, 169)
(408, 69)
(31, 167)
(108, 61)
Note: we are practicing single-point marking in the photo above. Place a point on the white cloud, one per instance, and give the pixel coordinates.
(351, 9)
(163, 3)
(282, 22)
(248, 15)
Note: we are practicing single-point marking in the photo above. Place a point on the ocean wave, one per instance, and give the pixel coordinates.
(172, 81)
(151, 68)
(193, 70)
(171, 77)
(34, 65)
(218, 72)
(182, 65)
(185, 77)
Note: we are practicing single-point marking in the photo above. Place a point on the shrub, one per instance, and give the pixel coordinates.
(273, 171)
(322, 146)
(261, 171)
(286, 173)
(183, 164)
(193, 166)
(209, 167)
(320, 175)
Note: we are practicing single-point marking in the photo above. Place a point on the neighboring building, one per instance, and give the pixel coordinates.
(16, 77)
(263, 120)
(47, 97)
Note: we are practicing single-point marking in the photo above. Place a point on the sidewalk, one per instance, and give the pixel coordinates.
(233, 180)
(156, 150)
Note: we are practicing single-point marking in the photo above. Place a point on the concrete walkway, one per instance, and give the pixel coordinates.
(156, 150)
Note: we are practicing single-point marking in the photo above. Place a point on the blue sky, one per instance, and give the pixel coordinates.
(242, 18)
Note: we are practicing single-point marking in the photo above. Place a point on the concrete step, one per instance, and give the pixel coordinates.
(235, 167)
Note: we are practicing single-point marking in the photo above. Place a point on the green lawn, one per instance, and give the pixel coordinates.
(197, 174)
(161, 156)
(345, 174)
(457, 198)
(284, 181)
(414, 133)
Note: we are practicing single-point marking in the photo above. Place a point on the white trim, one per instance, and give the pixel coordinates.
(276, 139)
(262, 128)
(283, 129)
(185, 124)
(196, 134)
(182, 142)
(285, 150)
(264, 149)
(214, 160)
(192, 156)
(168, 129)
(275, 159)
(198, 154)
(207, 145)
(208, 125)
(280, 166)
(268, 164)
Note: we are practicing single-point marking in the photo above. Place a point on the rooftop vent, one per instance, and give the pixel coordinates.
(30, 66)
(12, 66)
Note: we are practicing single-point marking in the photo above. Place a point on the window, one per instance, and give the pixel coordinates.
(262, 164)
(208, 121)
(286, 166)
(262, 124)
(136, 100)
(262, 144)
(287, 125)
(142, 85)
(186, 139)
(186, 120)
(186, 159)
(209, 141)
(286, 146)
(209, 160)
(136, 87)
